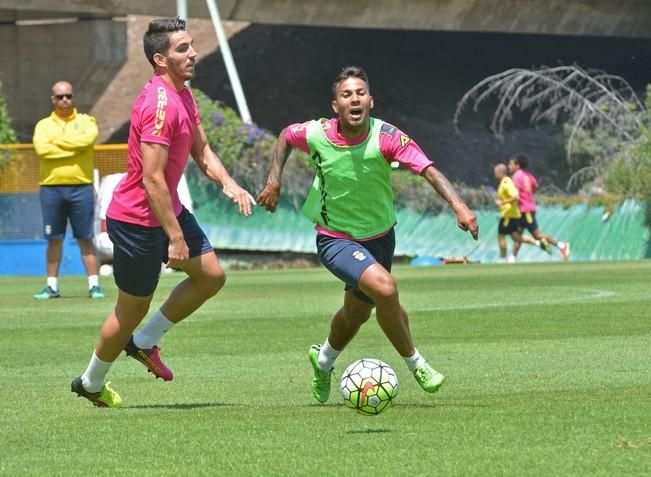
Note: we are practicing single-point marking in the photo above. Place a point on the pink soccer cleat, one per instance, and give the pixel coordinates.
(151, 359)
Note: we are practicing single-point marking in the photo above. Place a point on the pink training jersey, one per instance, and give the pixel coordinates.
(160, 115)
(527, 185)
(395, 146)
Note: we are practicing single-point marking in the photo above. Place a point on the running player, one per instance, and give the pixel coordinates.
(507, 201)
(351, 203)
(146, 221)
(527, 184)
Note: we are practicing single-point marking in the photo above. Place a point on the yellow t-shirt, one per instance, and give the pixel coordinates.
(508, 190)
(66, 148)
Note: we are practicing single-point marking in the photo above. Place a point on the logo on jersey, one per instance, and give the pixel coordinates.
(359, 255)
(160, 111)
(388, 129)
(404, 140)
(300, 127)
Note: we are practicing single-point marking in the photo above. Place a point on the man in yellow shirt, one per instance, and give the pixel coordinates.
(507, 201)
(64, 141)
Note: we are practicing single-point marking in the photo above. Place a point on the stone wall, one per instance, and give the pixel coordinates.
(86, 53)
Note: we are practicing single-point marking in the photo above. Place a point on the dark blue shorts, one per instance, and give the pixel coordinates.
(67, 202)
(139, 251)
(347, 259)
(508, 226)
(528, 221)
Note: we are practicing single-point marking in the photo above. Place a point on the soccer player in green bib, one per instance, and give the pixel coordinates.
(351, 204)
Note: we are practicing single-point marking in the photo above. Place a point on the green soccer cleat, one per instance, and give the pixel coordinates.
(47, 293)
(95, 292)
(428, 378)
(321, 382)
(104, 398)
(544, 244)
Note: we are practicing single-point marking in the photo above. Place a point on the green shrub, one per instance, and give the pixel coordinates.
(245, 150)
(629, 175)
(7, 134)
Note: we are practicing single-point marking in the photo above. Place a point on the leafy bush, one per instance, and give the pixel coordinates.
(245, 150)
(7, 134)
(629, 175)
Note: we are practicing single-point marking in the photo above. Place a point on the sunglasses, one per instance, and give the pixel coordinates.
(61, 96)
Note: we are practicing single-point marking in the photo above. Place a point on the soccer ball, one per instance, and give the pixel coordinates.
(369, 386)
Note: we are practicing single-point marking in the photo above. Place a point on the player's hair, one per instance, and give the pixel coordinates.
(157, 38)
(521, 160)
(350, 72)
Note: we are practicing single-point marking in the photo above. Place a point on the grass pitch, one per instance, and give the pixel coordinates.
(547, 367)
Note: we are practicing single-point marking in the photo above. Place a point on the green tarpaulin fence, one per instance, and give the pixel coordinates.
(593, 234)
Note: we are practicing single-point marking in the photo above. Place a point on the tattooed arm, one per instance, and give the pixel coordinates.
(269, 196)
(465, 217)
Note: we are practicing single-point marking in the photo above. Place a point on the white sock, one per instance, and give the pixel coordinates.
(150, 334)
(537, 243)
(327, 356)
(95, 374)
(93, 281)
(414, 361)
(53, 283)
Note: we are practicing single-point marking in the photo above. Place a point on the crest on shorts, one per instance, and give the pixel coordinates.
(359, 255)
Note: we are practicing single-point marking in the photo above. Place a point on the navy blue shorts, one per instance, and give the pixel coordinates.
(347, 259)
(528, 221)
(67, 202)
(139, 251)
(507, 226)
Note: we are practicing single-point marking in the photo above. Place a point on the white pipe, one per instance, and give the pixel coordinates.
(182, 9)
(230, 64)
(182, 13)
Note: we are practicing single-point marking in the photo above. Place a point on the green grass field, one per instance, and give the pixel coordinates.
(548, 372)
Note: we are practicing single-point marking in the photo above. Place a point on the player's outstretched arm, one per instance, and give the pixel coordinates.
(213, 168)
(269, 196)
(465, 217)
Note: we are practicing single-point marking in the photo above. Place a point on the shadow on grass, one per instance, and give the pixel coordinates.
(184, 406)
(370, 431)
(441, 405)
(329, 404)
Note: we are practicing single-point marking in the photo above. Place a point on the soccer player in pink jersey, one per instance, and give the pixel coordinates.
(146, 221)
(527, 184)
(351, 204)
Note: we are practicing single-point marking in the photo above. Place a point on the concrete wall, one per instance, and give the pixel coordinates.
(113, 106)
(87, 53)
(627, 18)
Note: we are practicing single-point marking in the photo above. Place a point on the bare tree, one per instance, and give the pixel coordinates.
(589, 102)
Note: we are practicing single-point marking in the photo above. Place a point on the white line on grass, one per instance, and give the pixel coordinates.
(594, 294)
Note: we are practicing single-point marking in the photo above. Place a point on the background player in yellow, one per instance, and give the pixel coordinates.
(509, 222)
